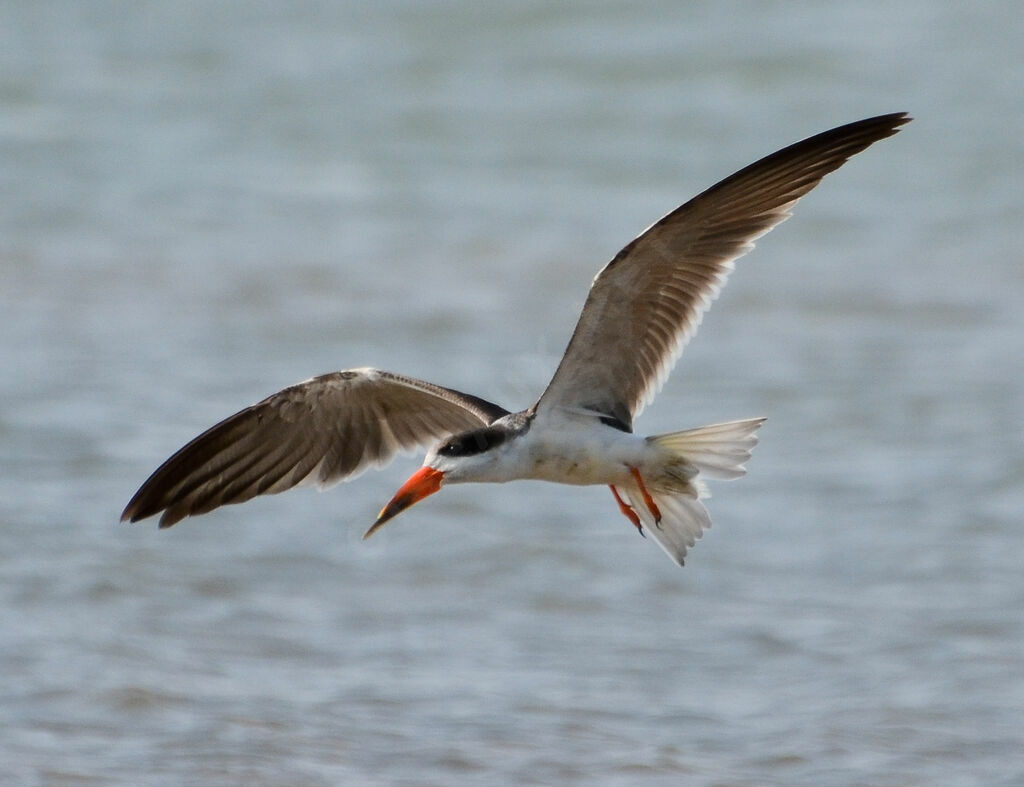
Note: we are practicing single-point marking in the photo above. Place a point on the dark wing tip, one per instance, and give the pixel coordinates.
(882, 126)
(132, 512)
(139, 508)
(854, 137)
(896, 118)
(885, 125)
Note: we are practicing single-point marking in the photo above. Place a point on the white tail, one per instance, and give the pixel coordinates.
(683, 520)
(716, 451)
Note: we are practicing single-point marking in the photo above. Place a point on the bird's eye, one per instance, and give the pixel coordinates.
(472, 443)
(452, 448)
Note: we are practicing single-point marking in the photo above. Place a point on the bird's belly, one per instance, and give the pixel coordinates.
(582, 465)
(570, 472)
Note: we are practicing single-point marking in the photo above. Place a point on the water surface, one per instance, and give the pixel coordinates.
(206, 203)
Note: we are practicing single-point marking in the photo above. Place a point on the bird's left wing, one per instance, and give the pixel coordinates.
(648, 301)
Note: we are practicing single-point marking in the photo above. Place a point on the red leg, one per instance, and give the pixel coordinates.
(629, 512)
(648, 500)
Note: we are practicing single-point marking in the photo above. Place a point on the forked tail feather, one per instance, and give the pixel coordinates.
(717, 451)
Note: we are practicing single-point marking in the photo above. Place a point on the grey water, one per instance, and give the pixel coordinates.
(202, 203)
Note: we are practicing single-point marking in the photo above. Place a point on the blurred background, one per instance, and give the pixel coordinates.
(205, 202)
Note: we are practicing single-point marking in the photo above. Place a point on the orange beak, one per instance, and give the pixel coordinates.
(422, 483)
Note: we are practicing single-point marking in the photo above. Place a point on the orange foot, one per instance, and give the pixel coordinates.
(648, 500)
(628, 511)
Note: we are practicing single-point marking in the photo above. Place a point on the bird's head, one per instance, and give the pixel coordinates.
(469, 456)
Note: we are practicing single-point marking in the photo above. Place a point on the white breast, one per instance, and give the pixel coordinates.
(581, 450)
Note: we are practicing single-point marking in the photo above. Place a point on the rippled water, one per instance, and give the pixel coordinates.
(206, 202)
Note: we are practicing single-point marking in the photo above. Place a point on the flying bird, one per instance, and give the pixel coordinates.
(642, 309)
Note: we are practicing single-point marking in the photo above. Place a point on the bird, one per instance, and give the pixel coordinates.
(641, 310)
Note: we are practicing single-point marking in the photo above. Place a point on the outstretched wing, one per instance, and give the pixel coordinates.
(320, 431)
(648, 301)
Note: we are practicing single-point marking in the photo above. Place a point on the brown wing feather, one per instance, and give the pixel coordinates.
(648, 301)
(319, 431)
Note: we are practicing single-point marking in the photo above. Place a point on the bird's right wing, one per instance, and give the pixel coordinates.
(321, 431)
